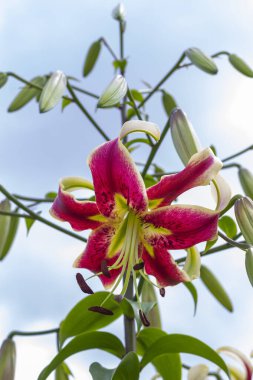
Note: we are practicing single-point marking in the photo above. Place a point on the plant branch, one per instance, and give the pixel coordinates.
(32, 333)
(38, 217)
(233, 165)
(243, 246)
(86, 113)
(91, 94)
(103, 40)
(238, 154)
(129, 323)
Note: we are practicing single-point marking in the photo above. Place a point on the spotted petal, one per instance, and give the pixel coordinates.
(114, 173)
(96, 251)
(201, 169)
(81, 215)
(162, 266)
(179, 226)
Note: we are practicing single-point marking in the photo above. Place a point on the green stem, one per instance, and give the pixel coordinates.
(32, 199)
(231, 203)
(91, 94)
(174, 68)
(86, 113)
(233, 165)
(155, 149)
(32, 333)
(17, 215)
(103, 40)
(38, 217)
(238, 154)
(129, 323)
(243, 246)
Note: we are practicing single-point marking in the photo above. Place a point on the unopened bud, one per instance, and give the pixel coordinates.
(52, 91)
(244, 217)
(246, 179)
(201, 60)
(3, 79)
(113, 93)
(184, 137)
(198, 372)
(119, 12)
(7, 360)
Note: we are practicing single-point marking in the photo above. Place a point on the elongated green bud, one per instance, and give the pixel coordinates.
(246, 179)
(119, 12)
(53, 91)
(7, 360)
(240, 65)
(3, 79)
(183, 135)
(4, 224)
(244, 217)
(114, 92)
(201, 60)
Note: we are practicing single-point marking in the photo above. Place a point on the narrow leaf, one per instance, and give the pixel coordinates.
(63, 372)
(137, 95)
(29, 223)
(65, 102)
(228, 225)
(215, 287)
(249, 265)
(194, 293)
(175, 343)
(98, 372)
(87, 341)
(240, 65)
(169, 103)
(4, 225)
(201, 60)
(27, 94)
(129, 368)
(91, 57)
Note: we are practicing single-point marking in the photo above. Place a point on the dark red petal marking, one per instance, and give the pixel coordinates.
(114, 172)
(189, 225)
(163, 267)
(203, 167)
(83, 284)
(96, 251)
(68, 209)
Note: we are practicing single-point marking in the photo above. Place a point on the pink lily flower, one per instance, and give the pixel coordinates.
(134, 228)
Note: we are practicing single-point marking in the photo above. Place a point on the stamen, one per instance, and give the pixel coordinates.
(83, 284)
(104, 269)
(101, 310)
(144, 319)
(138, 266)
(146, 278)
(118, 298)
(162, 292)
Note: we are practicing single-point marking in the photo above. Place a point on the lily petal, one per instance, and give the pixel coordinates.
(180, 226)
(201, 169)
(96, 251)
(81, 215)
(140, 126)
(221, 192)
(163, 267)
(241, 357)
(114, 173)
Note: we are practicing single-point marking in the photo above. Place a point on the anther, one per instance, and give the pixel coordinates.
(138, 266)
(144, 319)
(104, 269)
(83, 284)
(118, 298)
(101, 310)
(162, 292)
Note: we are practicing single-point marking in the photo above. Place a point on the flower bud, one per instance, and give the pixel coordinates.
(244, 217)
(3, 79)
(184, 137)
(198, 372)
(246, 179)
(201, 60)
(53, 91)
(7, 360)
(119, 12)
(114, 92)
(240, 65)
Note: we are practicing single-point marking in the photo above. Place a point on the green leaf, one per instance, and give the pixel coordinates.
(158, 169)
(249, 265)
(209, 245)
(4, 225)
(146, 308)
(91, 57)
(65, 102)
(169, 103)
(98, 372)
(129, 368)
(240, 65)
(130, 113)
(63, 372)
(201, 60)
(80, 319)
(87, 341)
(149, 295)
(228, 225)
(137, 95)
(149, 180)
(3, 79)
(51, 195)
(194, 293)
(215, 287)
(120, 64)
(13, 226)
(27, 94)
(29, 223)
(168, 365)
(175, 343)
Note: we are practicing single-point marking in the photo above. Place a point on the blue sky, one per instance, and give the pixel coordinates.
(36, 150)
